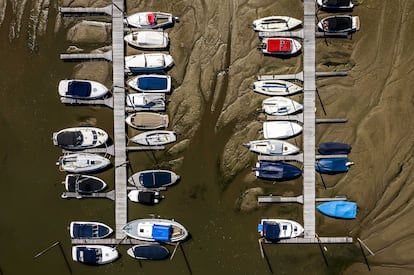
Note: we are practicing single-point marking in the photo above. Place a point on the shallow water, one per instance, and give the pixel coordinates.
(33, 216)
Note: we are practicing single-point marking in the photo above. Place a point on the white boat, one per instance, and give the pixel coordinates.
(94, 254)
(339, 24)
(276, 229)
(280, 106)
(81, 89)
(155, 138)
(335, 4)
(84, 184)
(280, 46)
(155, 230)
(153, 178)
(151, 83)
(151, 20)
(271, 147)
(147, 120)
(275, 23)
(148, 62)
(276, 87)
(280, 129)
(82, 162)
(89, 230)
(149, 197)
(146, 101)
(78, 138)
(147, 39)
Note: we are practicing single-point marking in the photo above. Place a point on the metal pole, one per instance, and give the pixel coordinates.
(366, 247)
(324, 248)
(175, 249)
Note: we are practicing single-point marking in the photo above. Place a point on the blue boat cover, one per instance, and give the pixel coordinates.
(271, 231)
(151, 252)
(79, 88)
(87, 255)
(152, 83)
(332, 165)
(339, 209)
(277, 170)
(334, 148)
(85, 231)
(161, 232)
(154, 179)
(337, 3)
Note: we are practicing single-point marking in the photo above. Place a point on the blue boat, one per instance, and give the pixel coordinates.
(338, 209)
(333, 165)
(153, 178)
(94, 254)
(276, 170)
(89, 230)
(334, 148)
(148, 252)
(151, 83)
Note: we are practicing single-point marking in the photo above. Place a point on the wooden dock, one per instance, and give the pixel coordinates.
(299, 199)
(70, 11)
(87, 56)
(109, 102)
(299, 76)
(107, 195)
(101, 150)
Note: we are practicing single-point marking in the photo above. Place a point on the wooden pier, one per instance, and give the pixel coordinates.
(87, 56)
(299, 199)
(299, 76)
(109, 102)
(299, 34)
(65, 11)
(101, 150)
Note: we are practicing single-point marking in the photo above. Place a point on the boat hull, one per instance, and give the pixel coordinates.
(280, 46)
(146, 102)
(280, 106)
(149, 252)
(274, 230)
(151, 83)
(147, 121)
(79, 138)
(339, 24)
(280, 129)
(335, 4)
(153, 178)
(276, 170)
(338, 209)
(148, 197)
(81, 89)
(148, 62)
(155, 138)
(275, 87)
(272, 147)
(275, 23)
(88, 254)
(152, 40)
(84, 184)
(150, 20)
(334, 148)
(89, 230)
(332, 165)
(82, 163)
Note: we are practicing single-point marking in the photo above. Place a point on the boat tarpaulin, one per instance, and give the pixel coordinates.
(271, 231)
(155, 179)
(87, 255)
(152, 83)
(334, 148)
(279, 45)
(70, 138)
(151, 252)
(277, 170)
(332, 165)
(336, 2)
(79, 88)
(161, 232)
(339, 209)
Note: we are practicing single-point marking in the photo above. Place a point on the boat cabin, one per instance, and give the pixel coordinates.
(157, 232)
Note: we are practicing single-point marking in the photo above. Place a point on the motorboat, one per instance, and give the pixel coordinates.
(82, 162)
(276, 170)
(151, 20)
(335, 4)
(155, 138)
(83, 184)
(338, 209)
(280, 106)
(148, 252)
(147, 39)
(148, 62)
(275, 23)
(146, 101)
(276, 87)
(147, 120)
(89, 230)
(79, 138)
(272, 147)
(151, 83)
(280, 129)
(339, 24)
(334, 148)
(333, 165)
(94, 254)
(274, 230)
(153, 178)
(280, 46)
(148, 197)
(156, 230)
(81, 89)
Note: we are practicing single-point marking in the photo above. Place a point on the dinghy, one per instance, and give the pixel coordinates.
(82, 162)
(151, 83)
(280, 129)
(155, 230)
(272, 147)
(338, 209)
(78, 138)
(339, 23)
(148, 62)
(274, 230)
(94, 254)
(83, 184)
(276, 87)
(335, 4)
(280, 46)
(334, 148)
(81, 89)
(146, 102)
(280, 106)
(276, 170)
(275, 23)
(147, 120)
(153, 178)
(89, 230)
(148, 252)
(150, 40)
(155, 138)
(148, 197)
(151, 20)
(332, 165)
